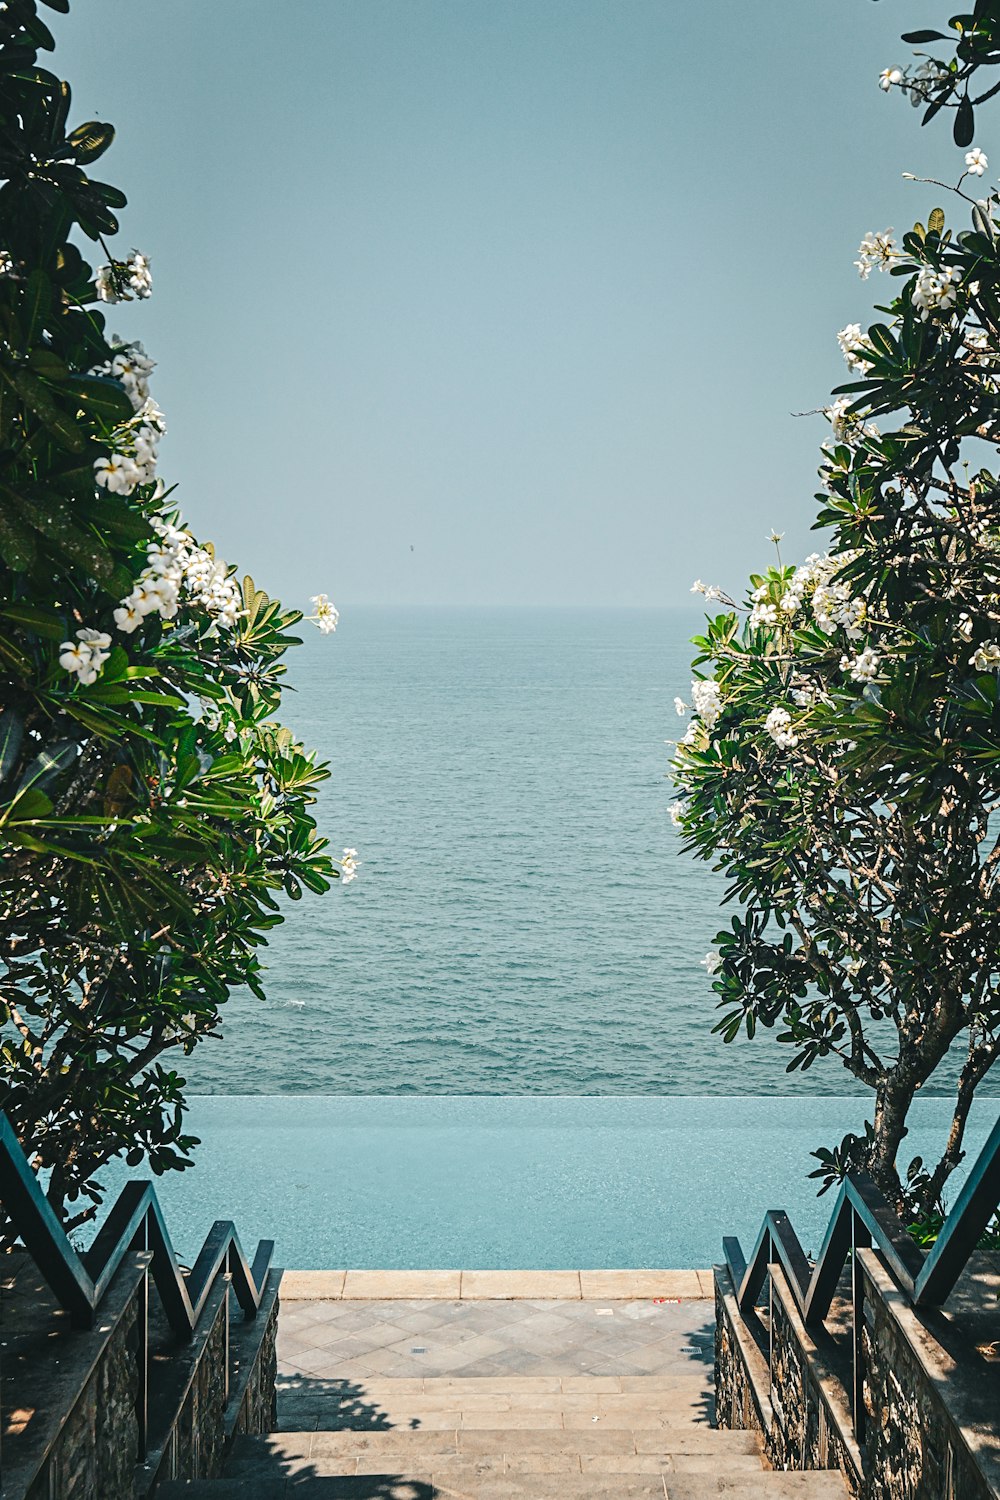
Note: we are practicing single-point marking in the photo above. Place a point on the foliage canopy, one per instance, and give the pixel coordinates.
(151, 806)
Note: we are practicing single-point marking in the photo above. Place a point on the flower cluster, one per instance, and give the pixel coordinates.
(853, 343)
(349, 866)
(778, 725)
(862, 668)
(86, 655)
(707, 698)
(710, 590)
(676, 811)
(935, 290)
(131, 366)
(876, 251)
(326, 615)
(834, 607)
(987, 657)
(123, 280)
(175, 564)
(711, 963)
(134, 451)
(916, 82)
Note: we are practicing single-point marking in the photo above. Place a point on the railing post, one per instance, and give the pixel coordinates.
(142, 1384)
(860, 1240)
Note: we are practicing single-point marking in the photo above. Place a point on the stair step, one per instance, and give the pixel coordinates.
(420, 1450)
(817, 1485)
(314, 1454)
(686, 1401)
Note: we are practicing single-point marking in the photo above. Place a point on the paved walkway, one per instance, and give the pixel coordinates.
(340, 1354)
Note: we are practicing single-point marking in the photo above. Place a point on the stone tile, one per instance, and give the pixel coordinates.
(542, 1463)
(520, 1440)
(365, 1285)
(385, 1444)
(520, 1284)
(510, 1420)
(599, 1285)
(307, 1286)
(711, 1463)
(513, 1385)
(624, 1420)
(590, 1384)
(624, 1463)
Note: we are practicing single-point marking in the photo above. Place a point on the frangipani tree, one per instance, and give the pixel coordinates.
(152, 808)
(842, 764)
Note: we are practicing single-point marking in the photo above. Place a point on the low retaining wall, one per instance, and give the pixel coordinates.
(71, 1398)
(932, 1399)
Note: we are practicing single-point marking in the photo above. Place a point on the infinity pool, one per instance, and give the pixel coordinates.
(507, 1182)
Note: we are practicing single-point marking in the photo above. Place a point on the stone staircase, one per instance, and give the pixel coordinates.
(508, 1438)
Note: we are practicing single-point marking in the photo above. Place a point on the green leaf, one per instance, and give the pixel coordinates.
(965, 124)
(45, 622)
(935, 221)
(11, 740)
(36, 304)
(91, 140)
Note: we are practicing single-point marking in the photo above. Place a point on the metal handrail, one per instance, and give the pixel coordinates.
(862, 1218)
(135, 1223)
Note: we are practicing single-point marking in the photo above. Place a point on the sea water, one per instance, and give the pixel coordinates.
(523, 922)
(522, 950)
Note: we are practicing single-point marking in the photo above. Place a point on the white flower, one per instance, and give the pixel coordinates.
(676, 811)
(6, 264)
(692, 734)
(106, 285)
(139, 277)
(964, 627)
(935, 291)
(976, 162)
(777, 725)
(763, 616)
(326, 615)
(97, 640)
(680, 707)
(115, 472)
(711, 963)
(128, 616)
(118, 281)
(86, 655)
(987, 657)
(804, 694)
(888, 77)
(852, 341)
(863, 667)
(349, 866)
(697, 587)
(775, 536)
(876, 250)
(706, 696)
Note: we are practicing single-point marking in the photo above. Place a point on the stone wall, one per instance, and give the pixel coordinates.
(93, 1454)
(70, 1397)
(930, 1398)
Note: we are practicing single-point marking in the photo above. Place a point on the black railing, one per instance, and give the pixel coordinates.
(862, 1219)
(136, 1222)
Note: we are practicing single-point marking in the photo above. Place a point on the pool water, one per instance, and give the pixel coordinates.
(471, 1181)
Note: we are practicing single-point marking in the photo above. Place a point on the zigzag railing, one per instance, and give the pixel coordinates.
(862, 1219)
(136, 1222)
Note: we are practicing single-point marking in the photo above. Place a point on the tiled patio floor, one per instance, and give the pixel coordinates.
(409, 1339)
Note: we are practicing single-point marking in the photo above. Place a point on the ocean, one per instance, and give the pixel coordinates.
(523, 922)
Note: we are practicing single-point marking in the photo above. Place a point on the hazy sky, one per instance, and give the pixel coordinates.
(463, 301)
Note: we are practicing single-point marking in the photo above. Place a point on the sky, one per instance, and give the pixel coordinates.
(500, 301)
